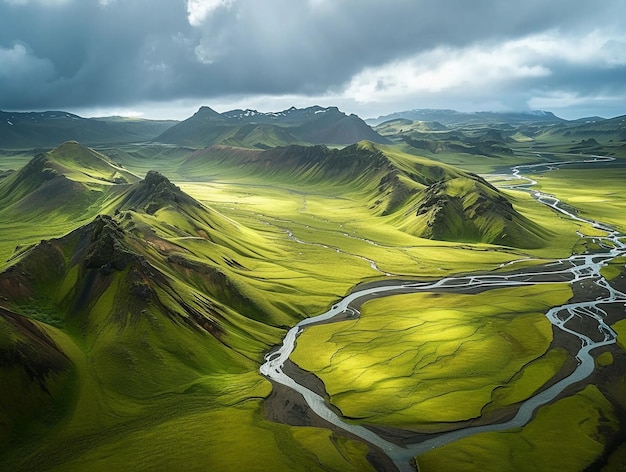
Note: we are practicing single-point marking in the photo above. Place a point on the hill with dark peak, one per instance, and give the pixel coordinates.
(253, 129)
(469, 209)
(455, 118)
(28, 130)
(150, 322)
(154, 192)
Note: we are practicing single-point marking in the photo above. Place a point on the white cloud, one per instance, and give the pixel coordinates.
(561, 100)
(18, 63)
(482, 67)
(444, 69)
(199, 10)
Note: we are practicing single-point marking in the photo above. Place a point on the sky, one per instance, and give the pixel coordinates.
(164, 59)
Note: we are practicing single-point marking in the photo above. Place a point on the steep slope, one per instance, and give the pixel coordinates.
(37, 376)
(330, 126)
(360, 166)
(115, 320)
(65, 181)
(250, 128)
(203, 128)
(29, 130)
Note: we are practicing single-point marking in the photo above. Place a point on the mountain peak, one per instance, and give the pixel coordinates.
(260, 130)
(107, 250)
(154, 178)
(207, 112)
(153, 193)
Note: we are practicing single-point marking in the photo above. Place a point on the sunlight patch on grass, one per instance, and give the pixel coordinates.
(564, 436)
(419, 359)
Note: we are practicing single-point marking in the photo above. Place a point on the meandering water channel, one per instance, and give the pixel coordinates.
(577, 268)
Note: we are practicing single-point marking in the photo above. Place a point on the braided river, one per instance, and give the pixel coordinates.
(578, 268)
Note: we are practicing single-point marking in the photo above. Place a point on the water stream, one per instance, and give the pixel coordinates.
(577, 268)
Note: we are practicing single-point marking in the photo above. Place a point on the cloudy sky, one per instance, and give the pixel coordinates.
(165, 58)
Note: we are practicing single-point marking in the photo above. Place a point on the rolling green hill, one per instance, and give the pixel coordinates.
(471, 210)
(66, 182)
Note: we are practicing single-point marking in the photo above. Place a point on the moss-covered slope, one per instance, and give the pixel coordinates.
(141, 304)
(471, 210)
(67, 179)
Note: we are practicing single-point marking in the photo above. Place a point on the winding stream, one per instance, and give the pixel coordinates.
(576, 268)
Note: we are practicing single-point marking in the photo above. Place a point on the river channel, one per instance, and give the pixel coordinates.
(577, 268)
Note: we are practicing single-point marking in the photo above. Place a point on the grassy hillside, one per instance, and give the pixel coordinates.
(472, 210)
(64, 187)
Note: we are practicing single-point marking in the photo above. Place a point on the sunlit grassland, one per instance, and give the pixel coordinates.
(420, 360)
(24, 234)
(620, 329)
(564, 436)
(342, 222)
(13, 160)
(597, 193)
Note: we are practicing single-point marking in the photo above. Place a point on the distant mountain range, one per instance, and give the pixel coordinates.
(304, 126)
(27, 130)
(458, 118)
(243, 128)
(432, 132)
(253, 129)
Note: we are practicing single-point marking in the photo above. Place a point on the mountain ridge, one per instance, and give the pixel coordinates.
(457, 118)
(312, 125)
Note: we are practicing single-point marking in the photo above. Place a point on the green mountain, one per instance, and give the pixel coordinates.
(19, 130)
(108, 325)
(66, 180)
(252, 129)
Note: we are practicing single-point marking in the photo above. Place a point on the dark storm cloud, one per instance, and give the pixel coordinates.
(90, 53)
